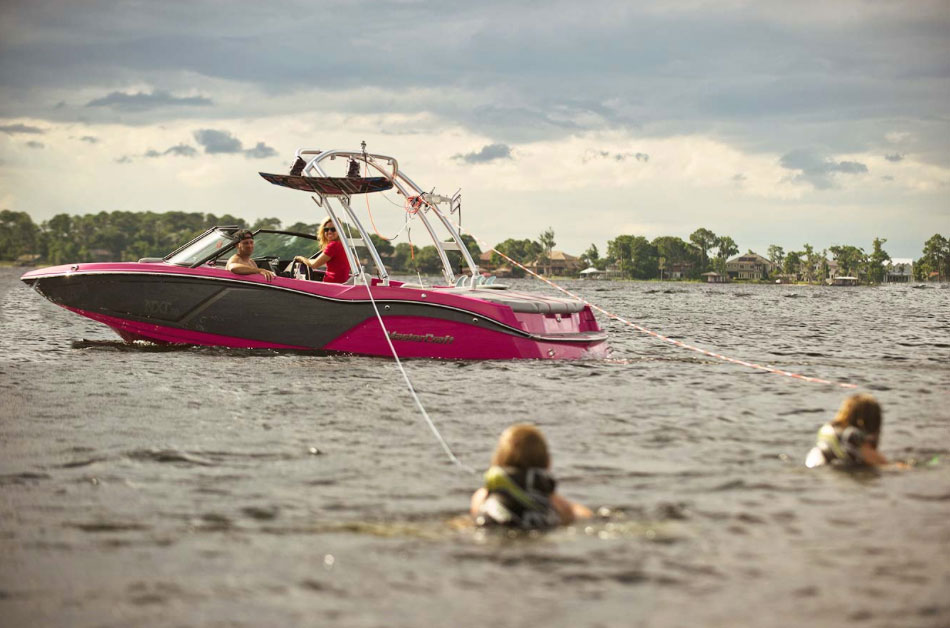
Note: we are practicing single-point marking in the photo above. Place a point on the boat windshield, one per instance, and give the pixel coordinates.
(218, 245)
(283, 245)
(202, 248)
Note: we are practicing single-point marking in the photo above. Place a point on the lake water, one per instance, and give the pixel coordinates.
(207, 487)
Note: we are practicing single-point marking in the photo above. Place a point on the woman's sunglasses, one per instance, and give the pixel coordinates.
(329, 229)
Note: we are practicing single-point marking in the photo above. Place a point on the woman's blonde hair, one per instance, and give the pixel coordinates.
(522, 446)
(321, 234)
(862, 411)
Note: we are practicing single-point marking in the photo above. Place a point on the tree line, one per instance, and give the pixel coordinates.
(636, 257)
(128, 236)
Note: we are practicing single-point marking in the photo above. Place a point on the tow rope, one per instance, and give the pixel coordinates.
(658, 336)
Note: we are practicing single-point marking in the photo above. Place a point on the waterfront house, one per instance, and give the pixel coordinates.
(714, 277)
(558, 263)
(676, 270)
(899, 270)
(751, 265)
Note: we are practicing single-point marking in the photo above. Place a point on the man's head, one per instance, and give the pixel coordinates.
(245, 242)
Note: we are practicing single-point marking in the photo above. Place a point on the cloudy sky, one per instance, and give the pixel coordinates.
(775, 123)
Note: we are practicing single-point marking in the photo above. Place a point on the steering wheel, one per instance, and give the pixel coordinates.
(304, 268)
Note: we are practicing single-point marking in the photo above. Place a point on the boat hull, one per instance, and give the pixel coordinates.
(208, 306)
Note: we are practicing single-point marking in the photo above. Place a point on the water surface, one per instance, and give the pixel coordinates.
(207, 487)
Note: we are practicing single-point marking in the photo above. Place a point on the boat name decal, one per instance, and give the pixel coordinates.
(439, 340)
(153, 307)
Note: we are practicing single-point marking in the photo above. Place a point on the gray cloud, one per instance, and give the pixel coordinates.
(261, 151)
(11, 129)
(215, 141)
(34, 144)
(141, 101)
(848, 167)
(491, 152)
(180, 150)
(895, 157)
(124, 159)
(89, 139)
(755, 75)
(817, 168)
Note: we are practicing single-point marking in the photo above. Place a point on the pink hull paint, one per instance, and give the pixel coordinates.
(130, 330)
(496, 332)
(426, 338)
(367, 339)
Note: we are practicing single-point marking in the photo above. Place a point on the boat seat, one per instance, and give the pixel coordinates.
(520, 302)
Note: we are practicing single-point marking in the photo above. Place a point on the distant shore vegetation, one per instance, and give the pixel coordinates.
(129, 236)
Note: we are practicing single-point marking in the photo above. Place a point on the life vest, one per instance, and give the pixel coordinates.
(837, 447)
(518, 498)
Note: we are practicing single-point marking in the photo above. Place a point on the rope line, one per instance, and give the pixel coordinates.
(658, 336)
(402, 370)
(412, 390)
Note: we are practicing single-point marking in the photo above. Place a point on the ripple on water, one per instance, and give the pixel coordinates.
(188, 462)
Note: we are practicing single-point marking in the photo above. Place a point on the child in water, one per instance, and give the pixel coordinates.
(852, 437)
(519, 488)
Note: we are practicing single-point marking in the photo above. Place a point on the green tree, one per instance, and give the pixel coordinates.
(383, 247)
(876, 261)
(455, 257)
(672, 251)
(472, 245)
(61, 247)
(726, 247)
(18, 235)
(546, 240)
(428, 261)
(304, 227)
(591, 256)
(936, 257)
(850, 259)
(402, 255)
(704, 239)
(809, 263)
(266, 223)
(823, 269)
(227, 220)
(792, 263)
(776, 255)
(637, 256)
(522, 251)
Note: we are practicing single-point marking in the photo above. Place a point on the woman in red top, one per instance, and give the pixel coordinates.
(333, 255)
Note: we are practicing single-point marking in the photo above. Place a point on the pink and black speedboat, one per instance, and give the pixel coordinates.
(188, 297)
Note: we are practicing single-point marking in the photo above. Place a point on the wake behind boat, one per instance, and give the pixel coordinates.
(188, 297)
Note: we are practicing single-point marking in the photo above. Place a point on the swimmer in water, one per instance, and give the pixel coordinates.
(519, 490)
(852, 438)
